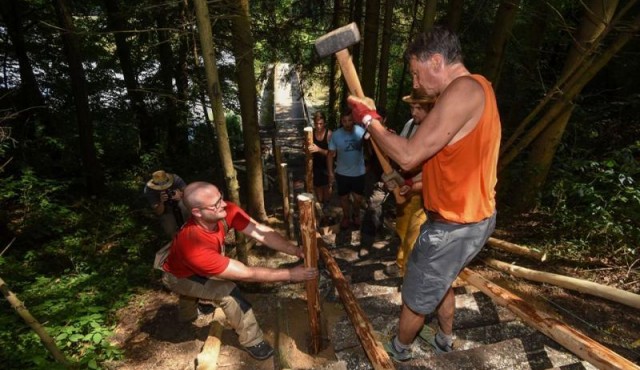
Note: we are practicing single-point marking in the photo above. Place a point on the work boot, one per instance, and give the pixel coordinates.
(260, 351)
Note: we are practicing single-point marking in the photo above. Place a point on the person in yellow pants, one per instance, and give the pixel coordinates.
(409, 215)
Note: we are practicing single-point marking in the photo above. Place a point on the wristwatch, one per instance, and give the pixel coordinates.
(366, 120)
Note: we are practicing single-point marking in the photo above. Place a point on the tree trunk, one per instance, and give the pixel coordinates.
(502, 26)
(385, 47)
(12, 17)
(93, 174)
(454, 14)
(401, 91)
(181, 74)
(596, 18)
(169, 120)
(569, 88)
(215, 96)
(429, 15)
(243, 52)
(370, 49)
(117, 24)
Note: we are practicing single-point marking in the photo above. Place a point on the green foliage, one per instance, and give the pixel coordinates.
(90, 255)
(596, 203)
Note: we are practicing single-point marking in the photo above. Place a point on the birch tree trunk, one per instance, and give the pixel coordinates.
(215, 96)
(597, 16)
(92, 169)
(243, 53)
(370, 49)
(502, 26)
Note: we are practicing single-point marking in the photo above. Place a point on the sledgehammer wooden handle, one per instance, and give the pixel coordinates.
(353, 83)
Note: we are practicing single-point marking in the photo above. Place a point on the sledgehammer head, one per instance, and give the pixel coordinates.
(338, 39)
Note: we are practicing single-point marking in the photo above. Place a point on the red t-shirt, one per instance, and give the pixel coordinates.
(197, 251)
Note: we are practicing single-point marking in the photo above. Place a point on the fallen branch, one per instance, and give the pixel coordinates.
(46, 339)
(517, 249)
(588, 287)
(573, 340)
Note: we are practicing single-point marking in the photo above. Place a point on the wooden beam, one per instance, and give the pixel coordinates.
(517, 249)
(588, 287)
(374, 350)
(570, 338)
(309, 244)
(286, 206)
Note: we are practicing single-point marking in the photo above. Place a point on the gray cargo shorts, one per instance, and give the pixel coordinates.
(441, 251)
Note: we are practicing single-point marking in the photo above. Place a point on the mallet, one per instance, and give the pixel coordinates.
(337, 42)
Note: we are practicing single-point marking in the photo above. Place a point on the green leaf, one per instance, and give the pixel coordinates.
(97, 338)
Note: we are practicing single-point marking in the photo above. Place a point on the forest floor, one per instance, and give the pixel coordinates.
(152, 338)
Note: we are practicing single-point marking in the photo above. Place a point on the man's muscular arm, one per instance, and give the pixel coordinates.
(271, 238)
(237, 271)
(454, 115)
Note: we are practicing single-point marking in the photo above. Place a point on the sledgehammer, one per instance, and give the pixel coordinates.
(337, 41)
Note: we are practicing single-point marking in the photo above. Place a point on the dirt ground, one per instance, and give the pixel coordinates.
(152, 338)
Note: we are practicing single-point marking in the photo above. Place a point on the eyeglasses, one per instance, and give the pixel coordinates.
(215, 206)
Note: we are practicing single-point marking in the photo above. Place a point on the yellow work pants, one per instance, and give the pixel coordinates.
(409, 217)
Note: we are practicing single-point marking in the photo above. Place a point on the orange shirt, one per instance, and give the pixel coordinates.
(460, 179)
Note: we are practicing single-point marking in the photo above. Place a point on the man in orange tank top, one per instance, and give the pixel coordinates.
(457, 145)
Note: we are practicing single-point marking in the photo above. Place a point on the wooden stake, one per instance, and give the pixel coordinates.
(308, 234)
(308, 141)
(517, 249)
(573, 340)
(286, 209)
(374, 350)
(277, 155)
(588, 287)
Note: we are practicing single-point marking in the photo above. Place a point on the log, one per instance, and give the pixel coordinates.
(374, 350)
(285, 343)
(208, 357)
(308, 141)
(22, 311)
(516, 249)
(570, 338)
(309, 244)
(583, 286)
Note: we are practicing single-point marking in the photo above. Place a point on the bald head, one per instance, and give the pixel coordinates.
(197, 193)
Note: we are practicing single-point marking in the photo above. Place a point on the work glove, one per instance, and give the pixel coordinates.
(392, 180)
(361, 107)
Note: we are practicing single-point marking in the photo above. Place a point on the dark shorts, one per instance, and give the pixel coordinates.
(320, 177)
(439, 254)
(348, 184)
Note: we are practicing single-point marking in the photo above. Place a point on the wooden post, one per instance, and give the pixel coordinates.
(517, 249)
(573, 340)
(374, 350)
(277, 154)
(284, 189)
(308, 131)
(588, 287)
(208, 357)
(309, 243)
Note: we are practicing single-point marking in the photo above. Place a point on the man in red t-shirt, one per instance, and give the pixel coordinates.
(197, 267)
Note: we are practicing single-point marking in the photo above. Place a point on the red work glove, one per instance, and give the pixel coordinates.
(362, 107)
